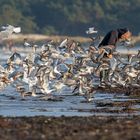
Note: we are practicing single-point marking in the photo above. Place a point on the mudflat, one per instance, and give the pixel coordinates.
(70, 128)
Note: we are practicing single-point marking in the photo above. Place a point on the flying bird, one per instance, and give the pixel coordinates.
(91, 30)
(63, 43)
(9, 30)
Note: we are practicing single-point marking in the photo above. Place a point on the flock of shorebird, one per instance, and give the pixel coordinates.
(51, 67)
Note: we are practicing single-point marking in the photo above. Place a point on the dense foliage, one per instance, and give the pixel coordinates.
(70, 17)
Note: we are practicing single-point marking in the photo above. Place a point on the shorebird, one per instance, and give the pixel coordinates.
(24, 93)
(47, 46)
(63, 43)
(88, 94)
(15, 58)
(91, 30)
(8, 30)
(138, 54)
(4, 81)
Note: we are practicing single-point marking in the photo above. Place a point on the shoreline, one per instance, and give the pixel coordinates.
(56, 38)
(41, 37)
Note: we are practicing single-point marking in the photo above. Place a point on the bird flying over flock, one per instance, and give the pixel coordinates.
(91, 30)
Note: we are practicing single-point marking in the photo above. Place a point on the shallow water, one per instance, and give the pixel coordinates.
(103, 104)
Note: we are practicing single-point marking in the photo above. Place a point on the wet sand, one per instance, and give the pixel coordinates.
(70, 128)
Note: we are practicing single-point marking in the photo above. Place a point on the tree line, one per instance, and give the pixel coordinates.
(70, 17)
